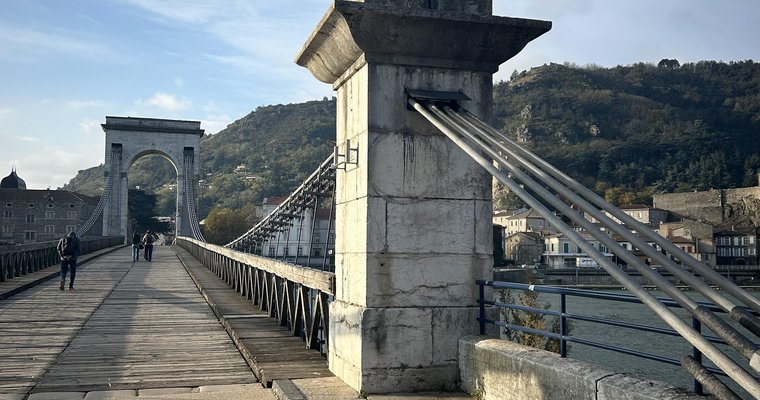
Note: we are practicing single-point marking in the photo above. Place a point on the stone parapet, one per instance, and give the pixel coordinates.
(495, 369)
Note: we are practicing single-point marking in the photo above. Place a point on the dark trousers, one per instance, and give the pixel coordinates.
(149, 252)
(135, 252)
(65, 266)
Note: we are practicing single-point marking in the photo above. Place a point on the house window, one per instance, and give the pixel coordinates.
(565, 248)
(29, 218)
(28, 235)
(71, 214)
(317, 252)
(552, 248)
(271, 250)
(300, 251)
(49, 229)
(9, 205)
(7, 229)
(50, 205)
(71, 228)
(736, 252)
(316, 237)
(49, 214)
(8, 214)
(751, 240)
(31, 205)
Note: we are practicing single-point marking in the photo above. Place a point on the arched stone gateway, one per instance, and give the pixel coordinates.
(129, 139)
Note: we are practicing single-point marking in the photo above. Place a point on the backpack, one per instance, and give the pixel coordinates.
(149, 238)
(68, 246)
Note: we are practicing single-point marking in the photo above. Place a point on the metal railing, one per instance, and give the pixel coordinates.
(296, 296)
(564, 317)
(19, 260)
(278, 225)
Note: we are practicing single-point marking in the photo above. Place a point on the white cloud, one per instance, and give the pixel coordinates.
(166, 101)
(214, 123)
(26, 45)
(31, 139)
(89, 127)
(79, 104)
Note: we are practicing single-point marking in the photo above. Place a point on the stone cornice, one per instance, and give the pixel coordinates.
(420, 37)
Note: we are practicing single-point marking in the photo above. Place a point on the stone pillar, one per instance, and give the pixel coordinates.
(413, 229)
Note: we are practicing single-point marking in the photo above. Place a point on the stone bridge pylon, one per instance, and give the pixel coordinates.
(129, 139)
(413, 212)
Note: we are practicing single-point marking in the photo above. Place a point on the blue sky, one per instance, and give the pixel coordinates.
(66, 64)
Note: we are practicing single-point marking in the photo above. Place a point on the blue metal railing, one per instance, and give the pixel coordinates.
(565, 317)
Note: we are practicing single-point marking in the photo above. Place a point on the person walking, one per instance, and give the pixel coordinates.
(68, 250)
(136, 246)
(148, 240)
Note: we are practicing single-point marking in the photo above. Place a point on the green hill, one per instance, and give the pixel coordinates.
(626, 132)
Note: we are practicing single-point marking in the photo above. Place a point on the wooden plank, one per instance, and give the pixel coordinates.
(128, 326)
(272, 351)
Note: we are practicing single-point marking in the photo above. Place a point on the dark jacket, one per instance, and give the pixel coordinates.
(136, 238)
(74, 246)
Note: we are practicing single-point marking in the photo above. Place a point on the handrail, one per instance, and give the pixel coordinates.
(19, 260)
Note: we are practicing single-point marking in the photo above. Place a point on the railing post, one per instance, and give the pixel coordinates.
(697, 325)
(482, 306)
(562, 326)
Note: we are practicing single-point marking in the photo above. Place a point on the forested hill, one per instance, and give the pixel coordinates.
(632, 131)
(626, 132)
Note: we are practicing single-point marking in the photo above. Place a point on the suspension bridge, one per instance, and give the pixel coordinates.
(406, 302)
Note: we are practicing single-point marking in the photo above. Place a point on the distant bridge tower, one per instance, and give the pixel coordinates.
(129, 139)
(413, 212)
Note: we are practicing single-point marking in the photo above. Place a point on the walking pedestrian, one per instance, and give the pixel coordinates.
(68, 250)
(148, 240)
(136, 246)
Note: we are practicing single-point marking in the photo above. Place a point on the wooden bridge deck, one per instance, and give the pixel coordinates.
(134, 326)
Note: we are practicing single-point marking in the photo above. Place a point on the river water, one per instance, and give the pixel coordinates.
(662, 345)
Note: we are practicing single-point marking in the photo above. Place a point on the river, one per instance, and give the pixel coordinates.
(669, 346)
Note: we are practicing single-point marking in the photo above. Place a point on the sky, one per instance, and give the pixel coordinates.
(67, 64)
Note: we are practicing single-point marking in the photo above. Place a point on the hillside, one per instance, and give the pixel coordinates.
(626, 132)
(629, 132)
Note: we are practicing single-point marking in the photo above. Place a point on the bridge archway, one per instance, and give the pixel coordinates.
(130, 138)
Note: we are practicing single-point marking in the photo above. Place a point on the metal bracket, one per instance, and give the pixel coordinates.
(435, 96)
(351, 156)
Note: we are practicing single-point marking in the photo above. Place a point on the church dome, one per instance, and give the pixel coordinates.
(12, 181)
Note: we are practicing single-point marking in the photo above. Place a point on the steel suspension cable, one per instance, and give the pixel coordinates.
(734, 338)
(730, 367)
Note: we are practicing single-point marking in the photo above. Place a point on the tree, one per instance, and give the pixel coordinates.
(142, 210)
(222, 225)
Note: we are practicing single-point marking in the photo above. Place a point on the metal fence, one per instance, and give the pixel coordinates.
(565, 317)
(19, 260)
(296, 296)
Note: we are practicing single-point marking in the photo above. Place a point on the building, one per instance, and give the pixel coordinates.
(643, 213)
(524, 248)
(693, 237)
(561, 252)
(31, 216)
(734, 247)
(526, 221)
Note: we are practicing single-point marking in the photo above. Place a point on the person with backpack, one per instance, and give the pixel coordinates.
(136, 246)
(68, 250)
(148, 240)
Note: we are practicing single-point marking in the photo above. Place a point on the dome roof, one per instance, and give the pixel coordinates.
(12, 181)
